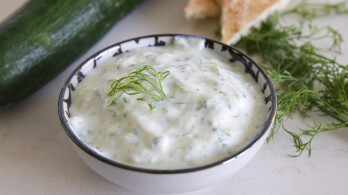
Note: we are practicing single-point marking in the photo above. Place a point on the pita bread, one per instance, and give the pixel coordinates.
(238, 16)
(200, 9)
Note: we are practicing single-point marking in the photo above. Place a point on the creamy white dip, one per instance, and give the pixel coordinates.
(212, 109)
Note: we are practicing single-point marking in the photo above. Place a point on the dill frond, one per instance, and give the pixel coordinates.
(144, 80)
(305, 79)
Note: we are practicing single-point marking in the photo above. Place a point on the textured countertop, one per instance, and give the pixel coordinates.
(36, 156)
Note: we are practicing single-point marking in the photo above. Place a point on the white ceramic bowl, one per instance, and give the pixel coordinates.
(167, 181)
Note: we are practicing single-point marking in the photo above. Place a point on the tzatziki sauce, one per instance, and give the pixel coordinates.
(212, 109)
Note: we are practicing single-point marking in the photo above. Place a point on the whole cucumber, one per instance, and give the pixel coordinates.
(43, 37)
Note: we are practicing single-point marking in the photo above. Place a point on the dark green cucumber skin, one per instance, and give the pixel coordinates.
(43, 37)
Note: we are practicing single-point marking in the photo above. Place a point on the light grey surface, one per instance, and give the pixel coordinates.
(36, 156)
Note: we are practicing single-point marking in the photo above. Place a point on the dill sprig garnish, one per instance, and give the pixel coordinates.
(305, 79)
(145, 80)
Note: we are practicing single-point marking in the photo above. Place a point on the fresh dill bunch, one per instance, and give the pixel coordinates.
(145, 80)
(305, 79)
(310, 11)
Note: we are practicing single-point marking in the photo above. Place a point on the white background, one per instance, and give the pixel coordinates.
(36, 156)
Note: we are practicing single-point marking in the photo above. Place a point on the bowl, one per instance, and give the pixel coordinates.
(167, 180)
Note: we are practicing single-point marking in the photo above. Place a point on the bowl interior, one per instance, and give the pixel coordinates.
(232, 54)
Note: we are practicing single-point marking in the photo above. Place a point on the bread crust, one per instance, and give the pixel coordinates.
(238, 16)
(201, 9)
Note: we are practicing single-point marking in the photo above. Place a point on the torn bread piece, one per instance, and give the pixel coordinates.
(239, 16)
(201, 9)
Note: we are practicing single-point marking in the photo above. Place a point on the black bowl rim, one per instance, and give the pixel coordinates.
(108, 161)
